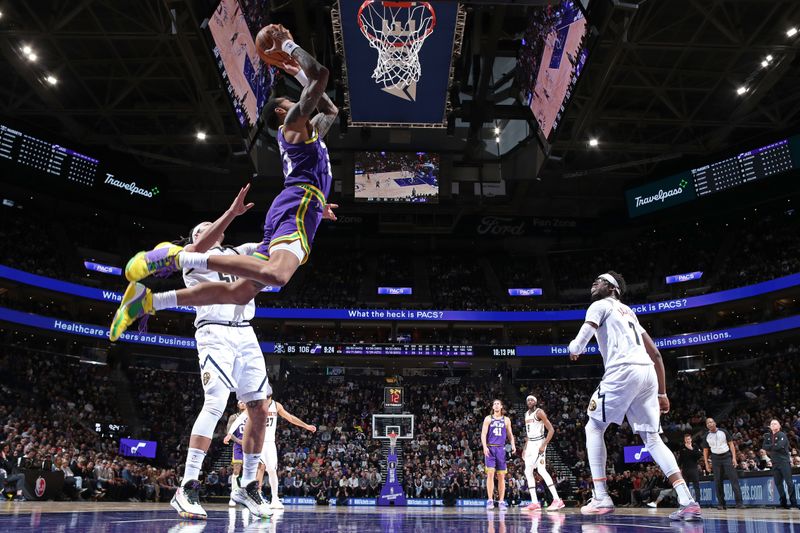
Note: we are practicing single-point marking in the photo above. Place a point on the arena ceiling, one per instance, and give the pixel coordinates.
(137, 78)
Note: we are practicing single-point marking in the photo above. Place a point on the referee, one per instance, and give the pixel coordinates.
(777, 445)
(719, 445)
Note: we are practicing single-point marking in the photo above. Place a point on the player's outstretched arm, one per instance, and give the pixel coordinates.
(484, 431)
(214, 232)
(655, 356)
(578, 345)
(289, 417)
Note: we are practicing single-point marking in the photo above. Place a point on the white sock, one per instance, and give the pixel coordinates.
(193, 260)
(684, 496)
(273, 483)
(194, 462)
(596, 453)
(165, 300)
(249, 468)
(234, 482)
(534, 499)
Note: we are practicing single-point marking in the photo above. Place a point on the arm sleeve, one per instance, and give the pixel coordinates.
(247, 248)
(578, 345)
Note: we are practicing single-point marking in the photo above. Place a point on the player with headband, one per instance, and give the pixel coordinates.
(230, 358)
(536, 422)
(633, 387)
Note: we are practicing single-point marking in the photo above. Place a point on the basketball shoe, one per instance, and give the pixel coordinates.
(555, 505)
(533, 506)
(136, 303)
(598, 506)
(251, 498)
(187, 501)
(687, 513)
(160, 261)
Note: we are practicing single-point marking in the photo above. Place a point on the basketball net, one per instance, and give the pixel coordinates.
(397, 30)
(392, 441)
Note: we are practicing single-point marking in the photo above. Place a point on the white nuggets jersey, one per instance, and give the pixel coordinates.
(619, 334)
(533, 426)
(221, 312)
(272, 421)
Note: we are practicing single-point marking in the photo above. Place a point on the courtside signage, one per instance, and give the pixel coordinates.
(660, 194)
(713, 298)
(395, 290)
(525, 292)
(103, 269)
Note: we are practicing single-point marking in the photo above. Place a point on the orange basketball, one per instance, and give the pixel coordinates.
(265, 42)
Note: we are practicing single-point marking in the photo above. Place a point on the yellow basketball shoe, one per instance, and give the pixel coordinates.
(161, 261)
(137, 302)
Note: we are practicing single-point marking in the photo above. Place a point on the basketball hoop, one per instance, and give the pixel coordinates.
(392, 440)
(397, 30)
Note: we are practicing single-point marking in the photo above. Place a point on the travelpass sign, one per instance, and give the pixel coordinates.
(660, 194)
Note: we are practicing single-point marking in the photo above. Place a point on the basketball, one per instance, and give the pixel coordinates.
(264, 43)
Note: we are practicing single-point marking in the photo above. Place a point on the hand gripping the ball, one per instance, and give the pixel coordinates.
(269, 42)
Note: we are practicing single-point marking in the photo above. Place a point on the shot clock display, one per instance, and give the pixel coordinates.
(393, 396)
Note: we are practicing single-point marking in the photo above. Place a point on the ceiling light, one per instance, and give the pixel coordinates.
(791, 32)
(765, 63)
(27, 50)
(593, 142)
(32, 57)
(741, 90)
(496, 130)
(497, 139)
(52, 80)
(201, 136)
(769, 57)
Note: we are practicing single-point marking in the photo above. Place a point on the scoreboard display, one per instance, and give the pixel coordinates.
(420, 350)
(393, 396)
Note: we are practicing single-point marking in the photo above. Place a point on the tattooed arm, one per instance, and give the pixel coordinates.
(328, 111)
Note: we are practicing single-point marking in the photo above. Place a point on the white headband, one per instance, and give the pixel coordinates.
(610, 279)
(194, 230)
(530, 397)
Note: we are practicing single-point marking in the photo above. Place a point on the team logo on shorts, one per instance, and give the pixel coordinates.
(592, 405)
(39, 487)
(206, 377)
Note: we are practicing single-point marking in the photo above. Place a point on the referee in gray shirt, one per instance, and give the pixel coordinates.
(720, 447)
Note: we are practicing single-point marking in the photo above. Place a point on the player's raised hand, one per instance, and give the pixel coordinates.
(327, 211)
(291, 67)
(574, 356)
(238, 207)
(312, 429)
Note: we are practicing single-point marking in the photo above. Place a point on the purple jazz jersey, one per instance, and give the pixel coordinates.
(496, 441)
(237, 448)
(296, 212)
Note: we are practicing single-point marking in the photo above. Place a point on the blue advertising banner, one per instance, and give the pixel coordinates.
(381, 41)
(137, 448)
(660, 194)
(525, 292)
(104, 269)
(637, 454)
(574, 315)
(759, 490)
(395, 290)
(157, 339)
(680, 278)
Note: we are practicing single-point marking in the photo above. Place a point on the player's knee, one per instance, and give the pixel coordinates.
(593, 427)
(214, 405)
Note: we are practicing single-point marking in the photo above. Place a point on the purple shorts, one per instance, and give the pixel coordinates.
(497, 458)
(295, 214)
(237, 453)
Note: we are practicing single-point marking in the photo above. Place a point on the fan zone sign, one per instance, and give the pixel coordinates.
(398, 58)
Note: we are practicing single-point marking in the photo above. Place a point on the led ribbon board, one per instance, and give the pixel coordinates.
(398, 59)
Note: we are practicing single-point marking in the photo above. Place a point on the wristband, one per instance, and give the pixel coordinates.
(301, 78)
(662, 395)
(289, 47)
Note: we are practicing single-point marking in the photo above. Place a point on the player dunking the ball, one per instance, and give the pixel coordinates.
(633, 386)
(291, 221)
(496, 428)
(533, 453)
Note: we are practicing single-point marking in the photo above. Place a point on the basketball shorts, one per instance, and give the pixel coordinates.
(497, 458)
(628, 391)
(532, 455)
(269, 455)
(231, 359)
(238, 453)
(295, 215)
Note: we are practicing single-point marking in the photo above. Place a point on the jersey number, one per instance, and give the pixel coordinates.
(270, 421)
(635, 335)
(227, 278)
(498, 432)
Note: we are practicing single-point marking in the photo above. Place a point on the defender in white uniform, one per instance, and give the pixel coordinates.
(269, 454)
(230, 360)
(536, 422)
(633, 386)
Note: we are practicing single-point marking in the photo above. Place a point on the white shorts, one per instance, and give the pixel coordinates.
(628, 391)
(532, 455)
(231, 357)
(295, 247)
(269, 455)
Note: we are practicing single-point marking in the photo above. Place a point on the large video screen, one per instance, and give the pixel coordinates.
(556, 55)
(246, 79)
(397, 177)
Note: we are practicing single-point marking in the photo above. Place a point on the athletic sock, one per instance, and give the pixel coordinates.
(534, 499)
(193, 260)
(194, 462)
(600, 491)
(249, 468)
(165, 300)
(684, 496)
